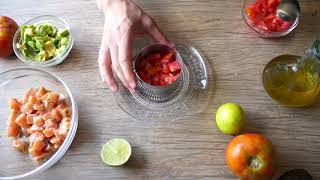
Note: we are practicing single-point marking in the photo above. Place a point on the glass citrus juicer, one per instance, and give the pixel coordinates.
(186, 95)
(294, 81)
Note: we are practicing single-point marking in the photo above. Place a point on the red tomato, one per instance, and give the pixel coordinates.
(159, 69)
(251, 157)
(262, 14)
(8, 28)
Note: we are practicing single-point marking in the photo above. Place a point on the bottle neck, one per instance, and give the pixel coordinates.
(316, 49)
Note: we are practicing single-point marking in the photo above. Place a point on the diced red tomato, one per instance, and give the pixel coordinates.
(262, 13)
(155, 68)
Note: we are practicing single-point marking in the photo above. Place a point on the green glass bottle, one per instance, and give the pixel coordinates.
(294, 81)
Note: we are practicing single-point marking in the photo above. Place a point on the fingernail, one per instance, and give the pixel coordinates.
(133, 85)
(114, 88)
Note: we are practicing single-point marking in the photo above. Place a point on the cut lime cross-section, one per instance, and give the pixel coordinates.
(116, 152)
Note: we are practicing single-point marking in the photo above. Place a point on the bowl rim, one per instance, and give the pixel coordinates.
(71, 134)
(264, 33)
(50, 62)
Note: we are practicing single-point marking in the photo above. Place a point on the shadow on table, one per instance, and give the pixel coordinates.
(137, 160)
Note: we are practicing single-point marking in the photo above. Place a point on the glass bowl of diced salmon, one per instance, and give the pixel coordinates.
(39, 119)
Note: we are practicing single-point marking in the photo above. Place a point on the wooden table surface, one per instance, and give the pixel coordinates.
(192, 147)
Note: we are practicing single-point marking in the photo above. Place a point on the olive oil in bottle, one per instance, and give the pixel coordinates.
(294, 81)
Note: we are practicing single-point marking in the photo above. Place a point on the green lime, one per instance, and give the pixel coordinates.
(116, 152)
(230, 118)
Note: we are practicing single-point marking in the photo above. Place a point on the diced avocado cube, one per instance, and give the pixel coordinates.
(23, 28)
(50, 48)
(28, 34)
(21, 46)
(63, 33)
(39, 45)
(64, 41)
(32, 45)
(41, 56)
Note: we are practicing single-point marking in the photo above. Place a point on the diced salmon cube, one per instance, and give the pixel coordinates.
(12, 116)
(38, 121)
(41, 156)
(39, 107)
(46, 116)
(30, 118)
(38, 145)
(41, 91)
(13, 131)
(27, 108)
(14, 104)
(51, 123)
(48, 148)
(44, 97)
(49, 132)
(33, 100)
(53, 97)
(20, 145)
(56, 115)
(57, 146)
(22, 120)
(34, 136)
(34, 128)
(25, 98)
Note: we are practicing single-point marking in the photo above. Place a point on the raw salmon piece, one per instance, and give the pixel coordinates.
(48, 148)
(12, 116)
(27, 108)
(34, 136)
(20, 145)
(39, 107)
(41, 92)
(38, 121)
(55, 140)
(22, 120)
(44, 97)
(34, 128)
(14, 104)
(56, 146)
(30, 118)
(51, 123)
(38, 145)
(56, 115)
(32, 91)
(46, 116)
(49, 132)
(13, 131)
(33, 100)
(53, 97)
(25, 98)
(41, 156)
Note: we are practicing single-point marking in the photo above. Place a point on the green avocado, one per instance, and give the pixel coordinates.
(43, 42)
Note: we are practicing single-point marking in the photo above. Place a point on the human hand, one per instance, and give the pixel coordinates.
(124, 22)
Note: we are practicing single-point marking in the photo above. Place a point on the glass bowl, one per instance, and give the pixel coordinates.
(14, 83)
(59, 23)
(261, 32)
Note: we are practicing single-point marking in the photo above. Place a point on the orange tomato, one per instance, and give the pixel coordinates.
(251, 157)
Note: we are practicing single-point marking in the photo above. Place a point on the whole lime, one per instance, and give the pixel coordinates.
(230, 118)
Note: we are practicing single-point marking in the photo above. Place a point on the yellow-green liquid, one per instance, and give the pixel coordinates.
(291, 83)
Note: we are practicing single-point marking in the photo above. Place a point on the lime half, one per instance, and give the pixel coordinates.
(116, 152)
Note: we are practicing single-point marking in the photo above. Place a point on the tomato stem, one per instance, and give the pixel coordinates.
(254, 162)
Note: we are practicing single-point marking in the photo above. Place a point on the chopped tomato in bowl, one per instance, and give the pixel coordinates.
(158, 65)
(261, 16)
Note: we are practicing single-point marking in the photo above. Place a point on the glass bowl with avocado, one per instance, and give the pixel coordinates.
(43, 41)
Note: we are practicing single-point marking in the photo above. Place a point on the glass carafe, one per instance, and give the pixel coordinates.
(294, 81)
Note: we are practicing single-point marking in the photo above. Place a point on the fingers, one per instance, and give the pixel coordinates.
(105, 68)
(153, 30)
(125, 59)
(116, 66)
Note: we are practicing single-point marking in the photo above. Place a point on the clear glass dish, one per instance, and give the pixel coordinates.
(14, 83)
(262, 32)
(59, 23)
